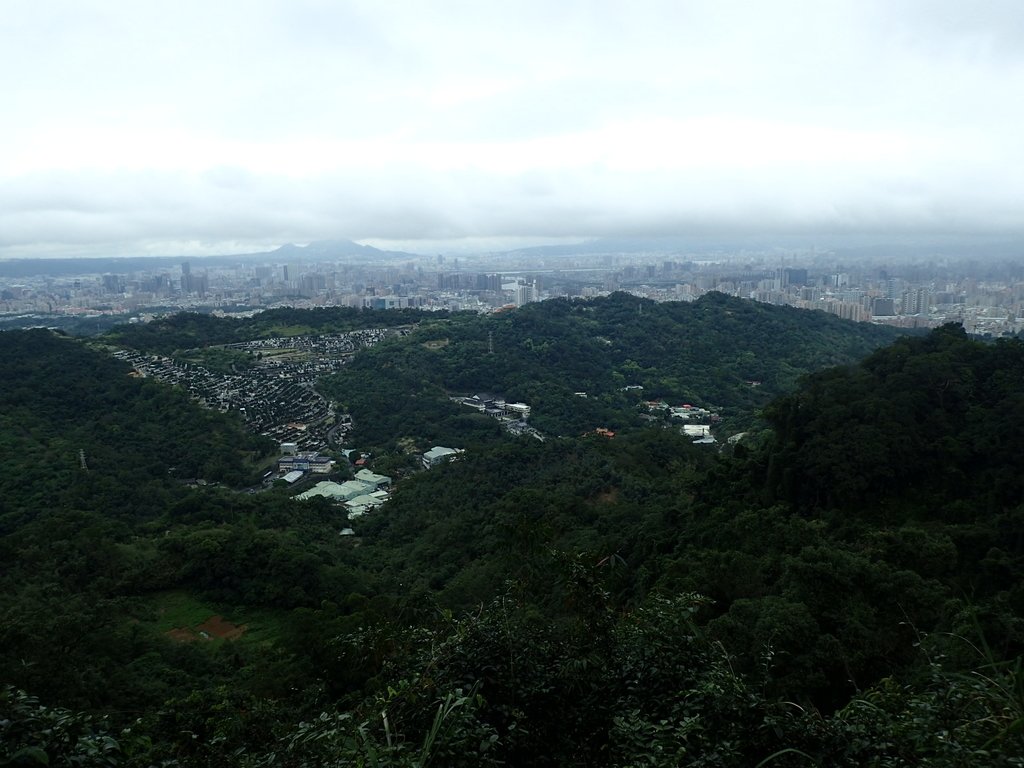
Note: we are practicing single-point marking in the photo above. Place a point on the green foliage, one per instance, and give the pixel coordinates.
(219, 359)
(84, 547)
(649, 689)
(58, 397)
(532, 603)
(459, 531)
(705, 353)
(191, 330)
(384, 732)
(953, 719)
(917, 426)
(32, 735)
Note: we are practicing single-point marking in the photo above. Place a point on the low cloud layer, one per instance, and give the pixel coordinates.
(130, 129)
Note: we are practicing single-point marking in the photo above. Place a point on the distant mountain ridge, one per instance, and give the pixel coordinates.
(847, 245)
(335, 249)
(851, 246)
(323, 250)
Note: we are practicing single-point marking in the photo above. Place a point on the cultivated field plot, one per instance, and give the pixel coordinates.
(185, 619)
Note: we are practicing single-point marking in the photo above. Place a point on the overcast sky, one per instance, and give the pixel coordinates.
(133, 127)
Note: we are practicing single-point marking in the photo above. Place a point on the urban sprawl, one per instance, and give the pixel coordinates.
(986, 298)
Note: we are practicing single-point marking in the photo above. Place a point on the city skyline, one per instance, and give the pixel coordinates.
(985, 296)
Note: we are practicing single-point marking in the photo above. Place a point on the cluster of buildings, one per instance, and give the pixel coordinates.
(238, 285)
(277, 398)
(367, 491)
(496, 407)
(301, 462)
(987, 296)
(696, 421)
(986, 300)
(317, 349)
(276, 395)
(513, 416)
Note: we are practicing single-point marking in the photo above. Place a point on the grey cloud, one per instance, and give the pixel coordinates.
(945, 77)
(587, 202)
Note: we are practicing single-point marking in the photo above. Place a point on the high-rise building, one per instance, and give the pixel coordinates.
(312, 283)
(916, 301)
(882, 307)
(525, 292)
(193, 283)
(488, 282)
(794, 277)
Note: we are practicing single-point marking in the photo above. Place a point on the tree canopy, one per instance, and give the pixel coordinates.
(842, 587)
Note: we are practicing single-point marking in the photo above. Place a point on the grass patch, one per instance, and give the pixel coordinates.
(264, 627)
(260, 464)
(180, 610)
(220, 360)
(282, 352)
(287, 330)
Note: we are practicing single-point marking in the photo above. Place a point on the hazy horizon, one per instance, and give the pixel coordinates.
(462, 127)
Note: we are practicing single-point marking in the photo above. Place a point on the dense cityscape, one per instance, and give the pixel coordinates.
(986, 296)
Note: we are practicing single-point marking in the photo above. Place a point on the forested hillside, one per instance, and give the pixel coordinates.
(716, 351)
(100, 515)
(60, 398)
(189, 330)
(842, 589)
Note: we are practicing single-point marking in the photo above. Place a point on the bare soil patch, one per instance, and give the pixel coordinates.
(219, 627)
(214, 628)
(182, 635)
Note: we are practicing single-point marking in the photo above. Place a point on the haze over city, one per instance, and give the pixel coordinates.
(197, 128)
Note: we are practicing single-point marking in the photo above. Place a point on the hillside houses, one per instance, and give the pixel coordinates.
(366, 492)
(696, 421)
(439, 454)
(684, 412)
(496, 407)
(306, 461)
(513, 416)
(276, 396)
(379, 482)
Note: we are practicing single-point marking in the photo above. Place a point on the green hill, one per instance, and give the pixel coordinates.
(191, 330)
(842, 589)
(716, 351)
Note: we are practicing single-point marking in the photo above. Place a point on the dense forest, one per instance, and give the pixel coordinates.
(189, 330)
(840, 588)
(717, 351)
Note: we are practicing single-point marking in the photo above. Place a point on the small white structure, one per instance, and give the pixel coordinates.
(522, 410)
(372, 478)
(439, 454)
(338, 491)
(292, 476)
(364, 503)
